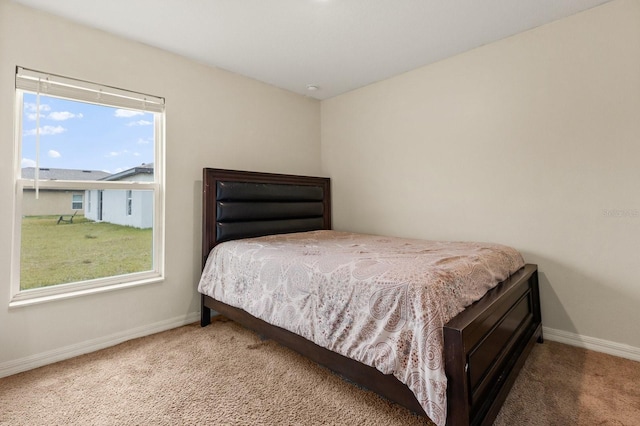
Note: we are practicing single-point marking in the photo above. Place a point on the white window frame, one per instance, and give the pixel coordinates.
(78, 90)
(81, 202)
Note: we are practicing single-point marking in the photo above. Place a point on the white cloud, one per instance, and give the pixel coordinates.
(63, 115)
(117, 153)
(54, 154)
(31, 110)
(27, 162)
(32, 107)
(144, 141)
(139, 123)
(46, 130)
(127, 113)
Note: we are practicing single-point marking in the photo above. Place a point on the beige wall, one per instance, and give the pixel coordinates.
(214, 119)
(50, 202)
(533, 141)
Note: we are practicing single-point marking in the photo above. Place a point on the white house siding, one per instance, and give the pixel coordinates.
(141, 177)
(90, 210)
(114, 207)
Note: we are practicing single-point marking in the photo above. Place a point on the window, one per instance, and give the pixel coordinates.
(77, 140)
(76, 201)
(129, 195)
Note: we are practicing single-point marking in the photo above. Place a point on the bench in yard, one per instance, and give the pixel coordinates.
(70, 220)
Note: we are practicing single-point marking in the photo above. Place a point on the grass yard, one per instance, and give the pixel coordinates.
(83, 250)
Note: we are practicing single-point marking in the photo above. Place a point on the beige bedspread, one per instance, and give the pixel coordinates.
(381, 301)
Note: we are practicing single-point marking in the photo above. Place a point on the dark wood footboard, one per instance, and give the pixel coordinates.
(486, 346)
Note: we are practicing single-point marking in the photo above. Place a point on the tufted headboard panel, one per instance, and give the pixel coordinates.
(238, 204)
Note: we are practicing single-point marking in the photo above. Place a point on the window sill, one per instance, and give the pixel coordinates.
(25, 299)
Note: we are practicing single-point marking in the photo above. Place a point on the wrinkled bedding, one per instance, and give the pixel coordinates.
(381, 301)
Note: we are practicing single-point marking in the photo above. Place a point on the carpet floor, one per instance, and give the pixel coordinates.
(224, 374)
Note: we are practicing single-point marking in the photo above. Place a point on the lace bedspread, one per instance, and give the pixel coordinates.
(381, 301)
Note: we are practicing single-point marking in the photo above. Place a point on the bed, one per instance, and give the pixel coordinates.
(484, 346)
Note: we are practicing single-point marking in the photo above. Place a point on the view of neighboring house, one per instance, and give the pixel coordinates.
(56, 202)
(123, 207)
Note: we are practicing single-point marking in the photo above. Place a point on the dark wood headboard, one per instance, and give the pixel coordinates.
(238, 204)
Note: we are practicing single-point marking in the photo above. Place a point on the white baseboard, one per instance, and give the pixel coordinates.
(591, 343)
(34, 361)
(38, 360)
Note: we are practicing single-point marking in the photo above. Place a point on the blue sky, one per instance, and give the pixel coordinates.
(77, 135)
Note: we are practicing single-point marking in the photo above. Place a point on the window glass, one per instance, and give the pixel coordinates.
(79, 140)
(72, 150)
(76, 201)
(73, 247)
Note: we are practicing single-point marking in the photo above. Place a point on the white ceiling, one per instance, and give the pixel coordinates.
(338, 45)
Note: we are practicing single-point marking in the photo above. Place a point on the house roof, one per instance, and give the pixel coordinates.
(138, 170)
(63, 174)
(46, 173)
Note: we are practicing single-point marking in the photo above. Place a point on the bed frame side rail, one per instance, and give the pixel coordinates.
(363, 375)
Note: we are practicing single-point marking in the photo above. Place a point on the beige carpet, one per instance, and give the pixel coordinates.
(224, 374)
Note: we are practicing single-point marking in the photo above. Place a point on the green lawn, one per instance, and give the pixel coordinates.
(82, 250)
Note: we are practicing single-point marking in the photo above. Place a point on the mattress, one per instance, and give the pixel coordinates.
(381, 301)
